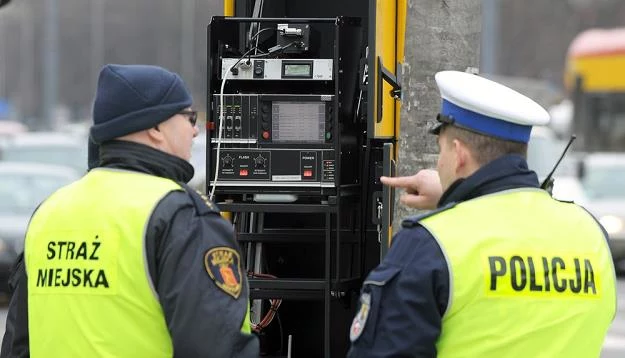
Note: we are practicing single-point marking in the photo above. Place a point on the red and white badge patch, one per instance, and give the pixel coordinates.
(358, 325)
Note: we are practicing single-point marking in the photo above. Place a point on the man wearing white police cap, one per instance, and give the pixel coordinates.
(483, 106)
(499, 268)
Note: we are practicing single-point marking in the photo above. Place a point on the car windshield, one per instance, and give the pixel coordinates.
(602, 182)
(21, 193)
(67, 155)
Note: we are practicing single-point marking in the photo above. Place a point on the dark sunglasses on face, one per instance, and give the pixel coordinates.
(192, 115)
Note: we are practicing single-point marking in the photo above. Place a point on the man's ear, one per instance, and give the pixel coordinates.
(461, 154)
(155, 134)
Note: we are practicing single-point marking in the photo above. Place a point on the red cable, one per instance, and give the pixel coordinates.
(273, 309)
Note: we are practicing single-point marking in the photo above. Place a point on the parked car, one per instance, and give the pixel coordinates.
(23, 187)
(48, 148)
(603, 179)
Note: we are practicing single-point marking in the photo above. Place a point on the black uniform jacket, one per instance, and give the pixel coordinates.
(203, 320)
(409, 290)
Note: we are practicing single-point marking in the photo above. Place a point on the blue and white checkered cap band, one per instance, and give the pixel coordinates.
(486, 125)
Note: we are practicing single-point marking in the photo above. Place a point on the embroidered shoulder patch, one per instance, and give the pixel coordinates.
(223, 265)
(358, 325)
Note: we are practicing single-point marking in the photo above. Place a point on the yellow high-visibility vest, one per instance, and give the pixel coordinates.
(529, 277)
(89, 290)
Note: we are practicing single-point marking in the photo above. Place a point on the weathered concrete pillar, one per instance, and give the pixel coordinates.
(440, 35)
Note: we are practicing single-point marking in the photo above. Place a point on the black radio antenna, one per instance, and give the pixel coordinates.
(547, 184)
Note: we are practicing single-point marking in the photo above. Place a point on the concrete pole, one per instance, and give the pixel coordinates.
(97, 39)
(440, 35)
(27, 60)
(3, 60)
(490, 36)
(50, 61)
(187, 40)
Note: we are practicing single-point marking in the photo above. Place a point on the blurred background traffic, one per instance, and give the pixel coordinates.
(568, 55)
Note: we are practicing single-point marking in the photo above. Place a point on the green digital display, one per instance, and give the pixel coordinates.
(297, 70)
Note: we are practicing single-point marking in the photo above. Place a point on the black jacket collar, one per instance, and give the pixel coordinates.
(142, 158)
(506, 172)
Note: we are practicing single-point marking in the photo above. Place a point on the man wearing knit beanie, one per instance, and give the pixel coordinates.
(129, 260)
(130, 99)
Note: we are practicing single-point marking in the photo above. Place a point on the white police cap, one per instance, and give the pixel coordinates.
(483, 106)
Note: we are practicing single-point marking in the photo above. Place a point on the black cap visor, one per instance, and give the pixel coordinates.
(442, 120)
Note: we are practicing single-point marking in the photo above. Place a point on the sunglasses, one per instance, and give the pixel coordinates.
(192, 116)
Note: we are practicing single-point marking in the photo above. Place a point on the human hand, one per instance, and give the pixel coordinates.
(423, 190)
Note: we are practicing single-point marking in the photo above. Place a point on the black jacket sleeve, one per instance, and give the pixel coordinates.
(204, 312)
(15, 341)
(405, 298)
(203, 320)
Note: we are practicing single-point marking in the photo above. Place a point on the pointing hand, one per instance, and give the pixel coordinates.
(423, 190)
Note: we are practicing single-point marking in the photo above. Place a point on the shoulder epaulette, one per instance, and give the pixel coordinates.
(202, 203)
(414, 220)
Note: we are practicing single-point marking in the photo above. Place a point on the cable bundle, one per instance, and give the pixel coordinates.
(273, 309)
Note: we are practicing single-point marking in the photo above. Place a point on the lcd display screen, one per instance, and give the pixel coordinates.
(297, 70)
(298, 122)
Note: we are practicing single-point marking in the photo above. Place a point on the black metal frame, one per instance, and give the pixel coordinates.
(296, 289)
(330, 286)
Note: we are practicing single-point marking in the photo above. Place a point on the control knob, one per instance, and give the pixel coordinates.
(227, 161)
(260, 162)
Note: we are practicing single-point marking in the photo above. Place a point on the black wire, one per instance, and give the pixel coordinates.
(275, 51)
(289, 45)
(242, 57)
(261, 55)
(261, 31)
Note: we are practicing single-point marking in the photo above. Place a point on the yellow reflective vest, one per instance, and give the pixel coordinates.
(89, 290)
(529, 277)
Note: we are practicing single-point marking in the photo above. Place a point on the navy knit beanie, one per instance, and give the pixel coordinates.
(132, 98)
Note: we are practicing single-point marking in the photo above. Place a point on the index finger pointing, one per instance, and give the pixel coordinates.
(401, 182)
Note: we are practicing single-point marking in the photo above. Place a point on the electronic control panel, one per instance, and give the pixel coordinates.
(277, 69)
(274, 119)
(277, 167)
(274, 140)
